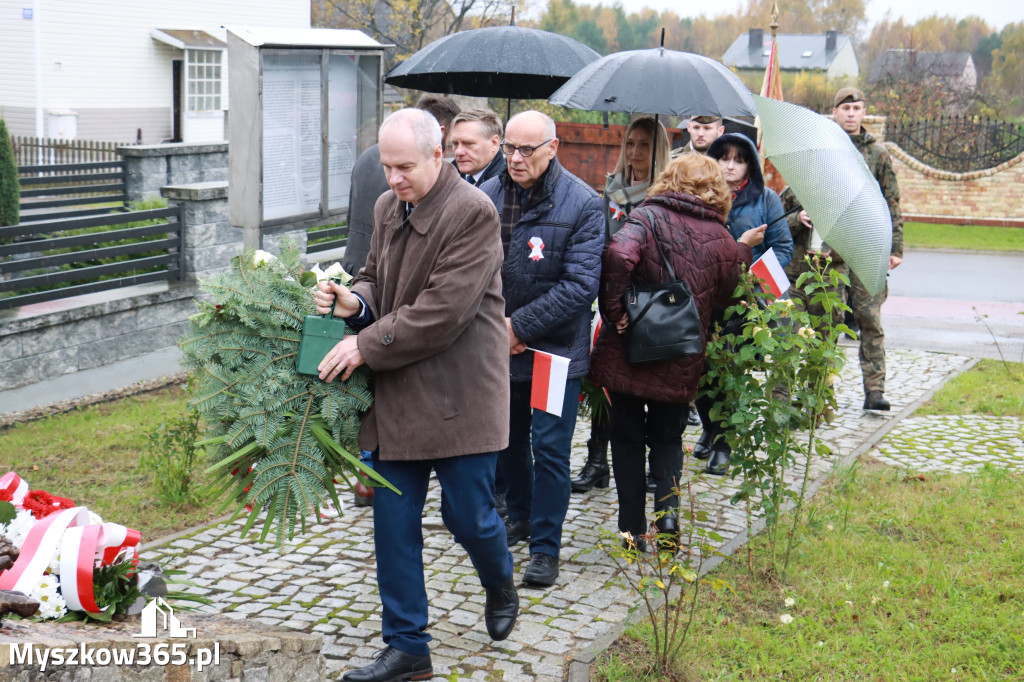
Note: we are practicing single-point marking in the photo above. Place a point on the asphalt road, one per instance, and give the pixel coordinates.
(957, 302)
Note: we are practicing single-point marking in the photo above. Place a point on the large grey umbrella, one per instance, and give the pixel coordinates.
(657, 81)
(501, 61)
(832, 181)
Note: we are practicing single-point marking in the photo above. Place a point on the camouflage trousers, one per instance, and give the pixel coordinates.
(867, 311)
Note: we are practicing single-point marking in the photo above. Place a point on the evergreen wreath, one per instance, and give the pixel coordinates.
(278, 439)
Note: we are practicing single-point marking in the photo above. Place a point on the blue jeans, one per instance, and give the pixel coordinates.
(467, 509)
(536, 465)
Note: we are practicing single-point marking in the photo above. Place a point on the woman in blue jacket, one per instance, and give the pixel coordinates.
(754, 207)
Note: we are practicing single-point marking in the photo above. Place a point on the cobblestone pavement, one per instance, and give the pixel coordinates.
(955, 444)
(324, 581)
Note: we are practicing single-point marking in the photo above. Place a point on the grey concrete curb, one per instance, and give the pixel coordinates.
(579, 665)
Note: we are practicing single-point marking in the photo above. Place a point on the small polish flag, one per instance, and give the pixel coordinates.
(550, 373)
(768, 268)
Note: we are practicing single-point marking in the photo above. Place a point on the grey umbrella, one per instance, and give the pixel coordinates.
(502, 61)
(657, 81)
(832, 182)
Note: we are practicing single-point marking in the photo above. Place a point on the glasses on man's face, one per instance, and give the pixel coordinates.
(526, 151)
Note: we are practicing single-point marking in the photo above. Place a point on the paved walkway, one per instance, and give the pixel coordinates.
(324, 580)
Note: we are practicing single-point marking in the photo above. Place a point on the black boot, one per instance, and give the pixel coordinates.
(702, 448)
(595, 473)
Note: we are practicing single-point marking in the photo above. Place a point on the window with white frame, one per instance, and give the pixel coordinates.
(204, 80)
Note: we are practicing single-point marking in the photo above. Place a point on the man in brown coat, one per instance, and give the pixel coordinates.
(430, 316)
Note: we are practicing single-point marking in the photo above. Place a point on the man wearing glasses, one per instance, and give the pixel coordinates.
(552, 231)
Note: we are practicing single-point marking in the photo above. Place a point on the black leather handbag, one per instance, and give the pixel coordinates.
(664, 322)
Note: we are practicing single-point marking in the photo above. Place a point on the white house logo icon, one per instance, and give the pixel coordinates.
(170, 622)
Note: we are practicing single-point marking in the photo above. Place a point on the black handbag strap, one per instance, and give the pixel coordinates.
(653, 219)
(671, 272)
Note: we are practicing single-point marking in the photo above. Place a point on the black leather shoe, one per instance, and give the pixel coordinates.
(693, 419)
(875, 400)
(501, 610)
(542, 571)
(634, 541)
(517, 531)
(393, 665)
(718, 465)
(702, 448)
(592, 476)
(500, 505)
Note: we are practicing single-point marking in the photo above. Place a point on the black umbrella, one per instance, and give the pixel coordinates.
(502, 61)
(657, 81)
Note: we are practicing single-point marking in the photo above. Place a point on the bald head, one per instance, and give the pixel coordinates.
(410, 152)
(532, 133)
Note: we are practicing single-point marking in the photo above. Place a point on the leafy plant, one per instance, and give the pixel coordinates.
(668, 579)
(278, 439)
(772, 370)
(172, 455)
(10, 193)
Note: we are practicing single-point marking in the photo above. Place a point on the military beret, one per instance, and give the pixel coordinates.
(848, 94)
(705, 119)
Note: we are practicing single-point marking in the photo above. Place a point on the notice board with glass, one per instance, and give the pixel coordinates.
(298, 121)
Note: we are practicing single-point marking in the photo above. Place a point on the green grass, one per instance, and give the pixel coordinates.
(962, 237)
(91, 456)
(895, 578)
(990, 387)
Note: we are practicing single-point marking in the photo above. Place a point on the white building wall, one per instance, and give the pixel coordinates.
(100, 54)
(845, 63)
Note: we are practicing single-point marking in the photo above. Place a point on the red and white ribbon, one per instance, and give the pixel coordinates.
(81, 546)
(13, 483)
(37, 550)
(79, 551)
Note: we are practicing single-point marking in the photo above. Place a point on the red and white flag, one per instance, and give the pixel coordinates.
(768, 268)
(550, 374)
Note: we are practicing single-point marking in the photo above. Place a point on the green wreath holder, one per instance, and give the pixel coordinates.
(277, 440)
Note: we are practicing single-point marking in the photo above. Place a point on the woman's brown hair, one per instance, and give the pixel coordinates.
(697, 175)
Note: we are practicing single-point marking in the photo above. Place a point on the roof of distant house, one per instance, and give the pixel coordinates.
(797, 51)
(905, 64)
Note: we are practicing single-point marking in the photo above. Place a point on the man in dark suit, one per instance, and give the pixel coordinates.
(476, 141)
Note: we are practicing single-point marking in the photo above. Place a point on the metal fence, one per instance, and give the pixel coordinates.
(958, 143)
(326, 237)
(48, 190)
(54, 259)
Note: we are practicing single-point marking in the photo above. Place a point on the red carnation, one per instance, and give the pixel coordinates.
(42, 503)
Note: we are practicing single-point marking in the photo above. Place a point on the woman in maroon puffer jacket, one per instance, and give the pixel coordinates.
(688, 202)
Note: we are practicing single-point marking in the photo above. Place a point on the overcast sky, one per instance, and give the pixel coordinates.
(997, 13)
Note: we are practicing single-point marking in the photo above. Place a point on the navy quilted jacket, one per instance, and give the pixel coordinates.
(701, 252)
(549, 297)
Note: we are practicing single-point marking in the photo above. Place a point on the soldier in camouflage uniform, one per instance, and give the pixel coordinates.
(848, 112)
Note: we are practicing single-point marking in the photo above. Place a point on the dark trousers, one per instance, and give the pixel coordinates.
(467, 509)
(636, 422)
(536, 465)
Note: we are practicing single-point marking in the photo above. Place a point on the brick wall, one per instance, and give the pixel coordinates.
(988, 197)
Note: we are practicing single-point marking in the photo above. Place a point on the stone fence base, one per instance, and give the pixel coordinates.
(231, 651)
